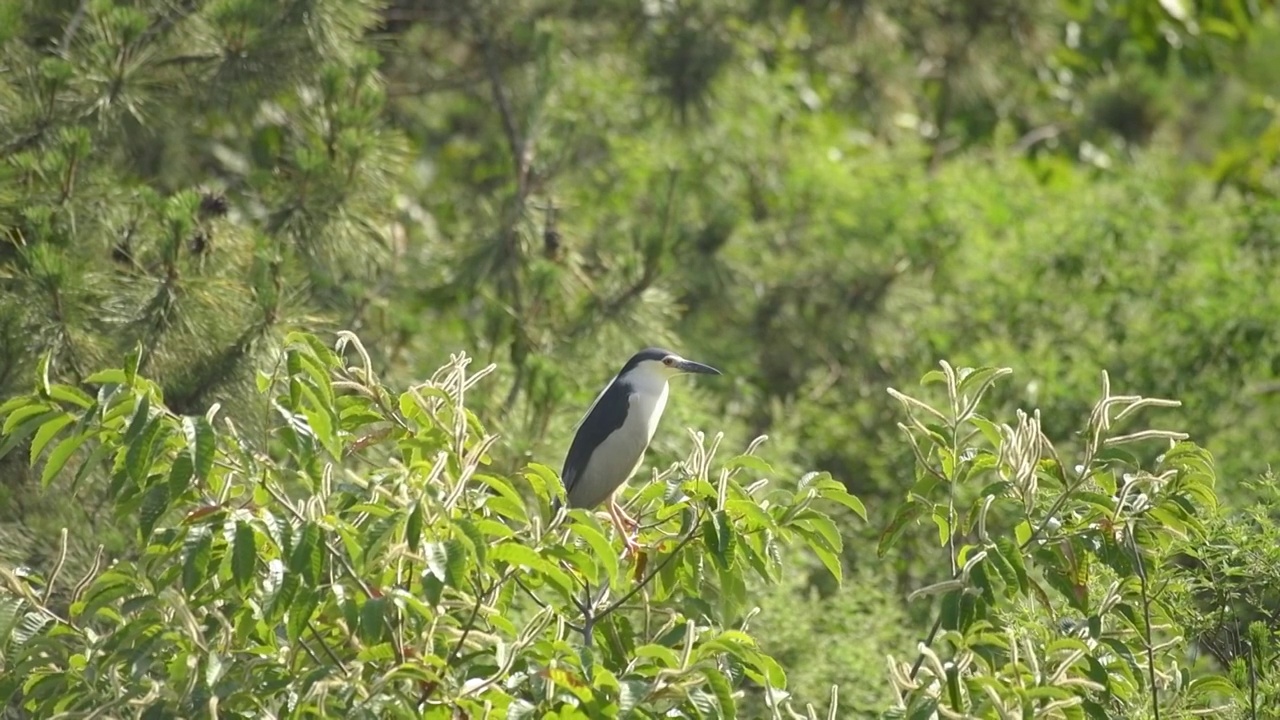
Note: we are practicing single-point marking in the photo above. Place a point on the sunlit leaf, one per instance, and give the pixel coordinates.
(59, 456)
(47, 432)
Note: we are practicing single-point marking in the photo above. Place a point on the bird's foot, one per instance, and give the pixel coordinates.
(630, 548)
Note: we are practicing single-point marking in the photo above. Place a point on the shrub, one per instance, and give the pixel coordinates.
(359, 559)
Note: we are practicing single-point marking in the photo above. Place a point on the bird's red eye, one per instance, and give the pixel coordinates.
(668, 361)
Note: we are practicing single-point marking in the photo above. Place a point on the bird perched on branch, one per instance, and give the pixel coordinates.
(612, 437)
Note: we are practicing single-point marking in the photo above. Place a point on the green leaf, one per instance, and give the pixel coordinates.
(195, 567)
(300, 611)
(907, 513)
(631, 694)
(1013, 556)
(717, 536)
(516, 508)
(825, 528)
(141, 415)
(22, 413)
(543, 480)
(520, 555)
(307, 558)
(179, 475)
(373, 624)
(94, 460)
(413, 527)
(71, 395)
(829, 556)
(666, 657)
(721, 689)
(437, 555)
(154, 504)
(750, 513)
(749, 462)
(1023, 533)
(113, 376)
(478, 539)
(1207, 686)
(61, 453)
(837, 493)
(47, 432)
(10, 607)
(28, 426)
(201, 444)
(245, 555)
(138, 459)
(601, 549)
(944, 528)
(320, 420)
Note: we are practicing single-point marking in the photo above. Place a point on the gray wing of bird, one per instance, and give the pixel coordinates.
(589, 478)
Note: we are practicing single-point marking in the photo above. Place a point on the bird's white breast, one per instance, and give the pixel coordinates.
(647, 403)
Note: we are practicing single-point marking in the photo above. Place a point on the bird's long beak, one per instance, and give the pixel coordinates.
(690, 366)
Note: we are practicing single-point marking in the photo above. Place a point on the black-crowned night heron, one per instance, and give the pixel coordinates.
(612, 437)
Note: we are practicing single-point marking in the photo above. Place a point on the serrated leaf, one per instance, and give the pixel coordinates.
(837, 493)
(10, 607)
(601, 549)
(24, 429)
(749, 462)
(138, 458)
(112, 376)
(141, 415)
(95, 458)
(437, 560)
(201, 444)
(22, 413)
(244, 556)
(478, 540)
(71, 395)
(307, 558)
(1013, 556)
(718, 537)
(179, 475)
(631, 694)
(61, 453)
(320, 420)
(199, 550)
(300, 611)
(372, 620)
(906, 513)
(666, 657)
(413, 528)
(47, 432)
(154, 504)
(520, 555)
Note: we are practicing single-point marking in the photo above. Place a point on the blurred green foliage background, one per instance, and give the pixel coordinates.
(822, 198)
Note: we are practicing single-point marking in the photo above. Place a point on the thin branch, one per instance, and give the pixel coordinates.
(1146, 618)
(327, 650)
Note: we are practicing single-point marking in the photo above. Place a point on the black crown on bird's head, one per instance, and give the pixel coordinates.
(655, 354)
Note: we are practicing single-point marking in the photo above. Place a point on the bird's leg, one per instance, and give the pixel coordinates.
(620, 521)
(618, 513)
